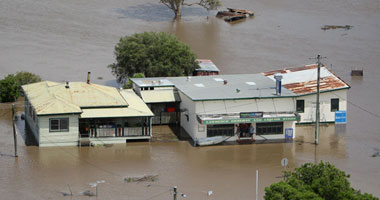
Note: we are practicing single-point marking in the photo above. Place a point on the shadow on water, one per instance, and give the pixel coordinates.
(25, 132)
(158, 12)
(113, 83)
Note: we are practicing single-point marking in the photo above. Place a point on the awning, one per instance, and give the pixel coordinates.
(236, 119)
(113, 112)
(136, 108)
(159, 96)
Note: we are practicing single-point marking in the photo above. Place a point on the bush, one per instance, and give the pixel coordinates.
(317, 182)
(10, 85)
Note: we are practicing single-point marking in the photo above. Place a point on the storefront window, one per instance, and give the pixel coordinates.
(220, 130)
(274, 128)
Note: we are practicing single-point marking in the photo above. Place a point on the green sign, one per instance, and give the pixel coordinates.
(249, 120)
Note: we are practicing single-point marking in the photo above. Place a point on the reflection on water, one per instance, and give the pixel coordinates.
(159, 12)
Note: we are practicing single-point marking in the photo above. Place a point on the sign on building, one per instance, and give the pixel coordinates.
(289, 133)
(251, 114)
(340, 117)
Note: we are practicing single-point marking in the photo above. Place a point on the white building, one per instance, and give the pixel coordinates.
(216, 105)
(66, 114)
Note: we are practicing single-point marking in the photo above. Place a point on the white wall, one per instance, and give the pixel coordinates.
(325, 106)
(192, 125)
(246, 105)
(69, 138)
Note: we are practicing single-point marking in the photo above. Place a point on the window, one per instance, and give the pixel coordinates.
(300, 106)
(274, 128)
(334, 105)
(222, 129)
(59, 124)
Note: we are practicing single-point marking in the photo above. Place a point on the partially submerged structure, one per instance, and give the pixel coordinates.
(216, 105)
(68, 114)
(205, 106)
(206, 68)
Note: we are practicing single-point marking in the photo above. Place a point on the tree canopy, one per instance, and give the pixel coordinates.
(321, 181)
(152, 54)
(176, 5)
(10, 85)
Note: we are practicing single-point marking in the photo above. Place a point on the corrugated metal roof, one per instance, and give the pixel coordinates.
(206, 65)
(54, 98)
(296, 81)
(303, 80)
(160, 96)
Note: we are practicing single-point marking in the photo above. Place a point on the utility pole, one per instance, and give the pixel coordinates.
(317, 103)
(14, 129)
(257, 184)
(175, 193)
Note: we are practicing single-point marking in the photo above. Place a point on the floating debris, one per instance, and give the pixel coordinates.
(88, 193)
(68, 194)
(234, 14)
(377, 153)
(100, 78)
(144, 178)
(357, 72)
(328, 27)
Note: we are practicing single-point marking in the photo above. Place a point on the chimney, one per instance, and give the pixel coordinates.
(67, 85)
(278, 78)
(88, 77)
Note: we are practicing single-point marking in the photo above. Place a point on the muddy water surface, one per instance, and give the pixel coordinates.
(62, 40)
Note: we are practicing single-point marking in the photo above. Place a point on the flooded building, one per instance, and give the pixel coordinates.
(272, 102)
(67, 114)
(206, 68)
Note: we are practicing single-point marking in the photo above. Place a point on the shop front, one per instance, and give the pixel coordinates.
(266, 125)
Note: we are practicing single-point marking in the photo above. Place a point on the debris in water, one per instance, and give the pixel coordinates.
(144, 178)
(88, 193)
(357, 72)
(328, 27)
(234, 14)
(377, 153)
(100, 78)
(68, 194)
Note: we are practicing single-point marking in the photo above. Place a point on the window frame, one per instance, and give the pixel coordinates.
(331, 105)
(59, 125)
(270, 128)
(303, 106)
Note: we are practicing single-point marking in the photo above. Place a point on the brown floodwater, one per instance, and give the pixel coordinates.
(62, 40)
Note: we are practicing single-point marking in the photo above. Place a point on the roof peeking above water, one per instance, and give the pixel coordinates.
(303, 80)
(207, 65)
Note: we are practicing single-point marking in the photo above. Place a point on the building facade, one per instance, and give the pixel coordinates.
(74, 113)
(223, 105)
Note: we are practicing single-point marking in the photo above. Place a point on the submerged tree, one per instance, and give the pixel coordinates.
(153, 55)
(11, 84)
(176, 5)
(315, 182)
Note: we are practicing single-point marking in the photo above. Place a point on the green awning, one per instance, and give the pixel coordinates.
(248, 120)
